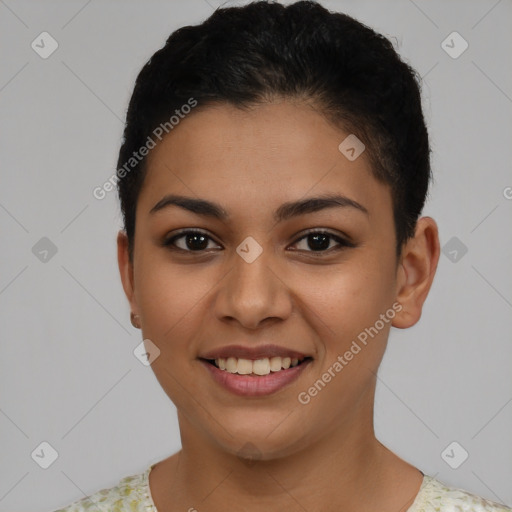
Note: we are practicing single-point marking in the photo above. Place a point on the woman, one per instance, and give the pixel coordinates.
(274, 167)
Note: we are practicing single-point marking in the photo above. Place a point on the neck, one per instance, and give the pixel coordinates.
(347, 466)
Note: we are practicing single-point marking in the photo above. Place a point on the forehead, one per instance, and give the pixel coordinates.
(272, 152)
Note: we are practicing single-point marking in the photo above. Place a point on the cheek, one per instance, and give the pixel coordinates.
(170, 298)
(353, 338)
(348, 296)
(348, 303)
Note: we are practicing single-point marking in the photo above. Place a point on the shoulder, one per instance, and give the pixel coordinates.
(435, 496)
(131, 493)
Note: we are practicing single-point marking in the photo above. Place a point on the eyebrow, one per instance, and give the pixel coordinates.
(284, 212)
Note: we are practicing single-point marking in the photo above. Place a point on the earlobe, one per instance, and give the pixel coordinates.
(416, 271)
(125, 268)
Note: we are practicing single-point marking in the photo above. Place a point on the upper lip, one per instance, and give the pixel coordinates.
(258, 352)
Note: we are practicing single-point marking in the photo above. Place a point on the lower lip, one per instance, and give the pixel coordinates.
(255, 385)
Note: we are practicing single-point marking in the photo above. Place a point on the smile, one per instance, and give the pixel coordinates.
(255, 378)
(257, 367)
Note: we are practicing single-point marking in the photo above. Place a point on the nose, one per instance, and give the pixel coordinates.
(253, 293)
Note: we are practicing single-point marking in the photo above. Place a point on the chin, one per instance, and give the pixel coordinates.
(259, 439)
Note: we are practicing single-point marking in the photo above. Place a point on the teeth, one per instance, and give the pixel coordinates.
(231, 364)
(244, 366)
(275, 364)
(258, 367)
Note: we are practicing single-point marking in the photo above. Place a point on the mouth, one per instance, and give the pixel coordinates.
(256, 367)
(255, 371)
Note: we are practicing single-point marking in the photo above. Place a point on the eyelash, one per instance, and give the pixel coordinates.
(343, 243)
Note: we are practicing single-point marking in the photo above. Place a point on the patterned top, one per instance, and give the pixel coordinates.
(132, 494)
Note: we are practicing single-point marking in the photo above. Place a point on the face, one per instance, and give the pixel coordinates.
(252, 277)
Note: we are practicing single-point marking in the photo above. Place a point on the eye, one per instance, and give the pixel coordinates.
(320, 241)
(192, 240)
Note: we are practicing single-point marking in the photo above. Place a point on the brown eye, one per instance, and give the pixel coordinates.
(320, 241)
(189, 241)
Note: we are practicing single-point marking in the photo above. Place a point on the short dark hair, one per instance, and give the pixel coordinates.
(245, 56)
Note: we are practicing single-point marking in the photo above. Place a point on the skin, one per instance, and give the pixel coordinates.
(317, 457)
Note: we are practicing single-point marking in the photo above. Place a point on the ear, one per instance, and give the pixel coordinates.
(126, 269)
(416, 270)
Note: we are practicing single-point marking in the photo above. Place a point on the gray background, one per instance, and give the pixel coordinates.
(68, 374)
